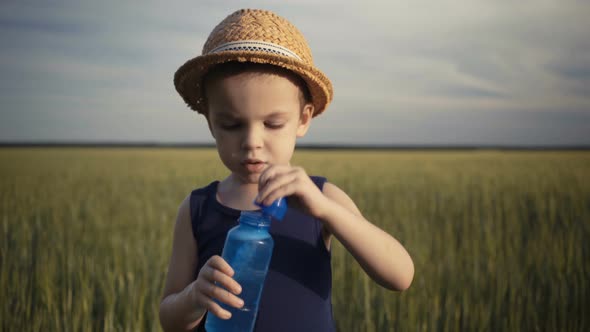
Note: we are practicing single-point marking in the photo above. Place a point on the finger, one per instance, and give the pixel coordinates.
(282, 191)
(279, 178)
(217, 310)
(222, 279)
(281, 186)
(222, 295)
(269, 173)
(218, 263)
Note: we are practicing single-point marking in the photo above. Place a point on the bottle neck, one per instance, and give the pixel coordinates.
(255, 219)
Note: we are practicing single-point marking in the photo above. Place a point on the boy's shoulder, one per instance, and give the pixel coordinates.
(318, 180)
(198, 197)
(204, 190)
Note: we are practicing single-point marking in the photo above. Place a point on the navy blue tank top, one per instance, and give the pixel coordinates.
(298, 287)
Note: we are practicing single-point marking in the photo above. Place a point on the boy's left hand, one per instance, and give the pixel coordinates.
(281, 181)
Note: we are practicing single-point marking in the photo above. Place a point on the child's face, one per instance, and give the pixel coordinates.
(255, 119)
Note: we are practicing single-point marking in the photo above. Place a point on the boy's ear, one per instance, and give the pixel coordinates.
(305, 119)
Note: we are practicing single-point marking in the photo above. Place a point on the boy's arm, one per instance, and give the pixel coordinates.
(177, 311)
(185, 300)
(382, 257)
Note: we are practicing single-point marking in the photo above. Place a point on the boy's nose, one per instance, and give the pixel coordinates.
(252, 139)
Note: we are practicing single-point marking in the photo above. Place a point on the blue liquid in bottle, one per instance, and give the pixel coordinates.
(248, 250)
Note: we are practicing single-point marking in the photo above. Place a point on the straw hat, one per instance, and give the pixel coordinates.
(252, 35)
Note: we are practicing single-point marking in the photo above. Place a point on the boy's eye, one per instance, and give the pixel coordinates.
(230, 125)
(274, 125)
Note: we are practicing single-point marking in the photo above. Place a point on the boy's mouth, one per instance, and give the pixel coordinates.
(254, 165)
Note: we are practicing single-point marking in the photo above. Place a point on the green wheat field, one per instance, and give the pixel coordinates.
(500, 239)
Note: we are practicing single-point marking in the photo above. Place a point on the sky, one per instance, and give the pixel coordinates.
(460, 72)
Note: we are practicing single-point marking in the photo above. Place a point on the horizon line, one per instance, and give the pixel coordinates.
(311, 146)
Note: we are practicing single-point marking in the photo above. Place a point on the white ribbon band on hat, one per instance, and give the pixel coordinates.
(255, 45)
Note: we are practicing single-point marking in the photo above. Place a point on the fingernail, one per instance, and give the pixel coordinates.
(227, 315)
(238, 290)
(241, 303)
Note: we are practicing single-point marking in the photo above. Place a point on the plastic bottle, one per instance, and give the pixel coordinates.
(248, 250)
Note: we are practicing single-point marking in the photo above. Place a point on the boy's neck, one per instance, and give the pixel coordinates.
(237, 195)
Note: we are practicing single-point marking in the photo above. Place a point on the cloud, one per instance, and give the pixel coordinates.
(107, 64)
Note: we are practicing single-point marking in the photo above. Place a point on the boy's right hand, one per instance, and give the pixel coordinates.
(204, 290)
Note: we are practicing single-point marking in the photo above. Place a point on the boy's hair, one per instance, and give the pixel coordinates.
(232, 68)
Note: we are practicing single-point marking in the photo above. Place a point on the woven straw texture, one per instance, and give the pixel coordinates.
(253, 25)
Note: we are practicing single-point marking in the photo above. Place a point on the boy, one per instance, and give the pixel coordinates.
(258, 89)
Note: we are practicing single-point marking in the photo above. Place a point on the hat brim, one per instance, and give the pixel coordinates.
(188, 78)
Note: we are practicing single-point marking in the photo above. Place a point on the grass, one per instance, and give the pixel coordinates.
(499, 239)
